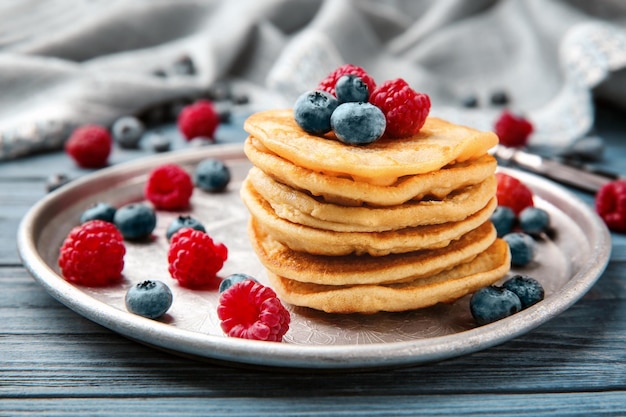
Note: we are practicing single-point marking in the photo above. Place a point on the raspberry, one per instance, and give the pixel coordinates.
(611, 205)
(194, 259)
(89, 146)
(169, 187)
(513, 131)
(328, 83)
(405, 109)
(198, 119)
(513, 193)
(250, 310)
(93, 254)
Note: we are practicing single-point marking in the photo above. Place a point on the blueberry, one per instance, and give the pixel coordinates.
(499, 98)
(503, 218)
(135, 221)
(240, 99)
(493, 303)
(528, 289)
(351, 88)
(358, 123)
(522, 248)
(127, 132)
(158, 142)
(150, 298)
(231, 280)
(212, 175)
(469, 101)
(312, 111)
(534, 220)
(98, 211)
(182, 222)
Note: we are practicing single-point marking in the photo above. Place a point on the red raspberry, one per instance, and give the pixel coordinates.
(93, 254)
(513, 130)
(169, 187)
(194, 259)
(90, 146)
(405, 109)
(250, 310)
(513, 193)
(199, 119)
(328, 83)
(611, 205)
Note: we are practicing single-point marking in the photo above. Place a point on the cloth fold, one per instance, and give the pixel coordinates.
(72, 62)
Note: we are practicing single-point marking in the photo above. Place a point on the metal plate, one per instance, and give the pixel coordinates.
(567, 266)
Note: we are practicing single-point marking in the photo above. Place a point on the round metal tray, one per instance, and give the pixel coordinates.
(567, 265)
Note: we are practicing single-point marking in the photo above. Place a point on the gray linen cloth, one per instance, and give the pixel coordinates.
(64, 63)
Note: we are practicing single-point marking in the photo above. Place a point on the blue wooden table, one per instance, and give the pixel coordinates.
(55, 362)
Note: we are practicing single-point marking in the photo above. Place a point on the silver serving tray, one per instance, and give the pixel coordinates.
(567, 265)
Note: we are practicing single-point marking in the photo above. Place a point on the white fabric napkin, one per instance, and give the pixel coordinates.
(64, 63)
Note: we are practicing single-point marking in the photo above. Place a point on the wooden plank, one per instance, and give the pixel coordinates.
(16, 197)
(47, 350)
(358, 404)
(574, 359)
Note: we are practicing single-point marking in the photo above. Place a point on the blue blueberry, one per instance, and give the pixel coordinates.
(231, 280)
(98, 211)
(312, 111)
(158, 142)
(135, 221)
(528, 289)
(212, 175)
(150, 298)
(470, 101)
(493, 303)
(503, 218)
(182, 222)
(534, 220)
(351, 88)
(127, 132)
(499, 98)
(358, 123)
(522, 246)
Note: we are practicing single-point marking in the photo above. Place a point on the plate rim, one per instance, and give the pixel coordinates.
(284, 355)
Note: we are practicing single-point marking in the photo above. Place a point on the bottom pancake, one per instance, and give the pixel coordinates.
(443, 287)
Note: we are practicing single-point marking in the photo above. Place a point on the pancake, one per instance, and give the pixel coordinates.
(365, 269)
(446, 286)
(437, 144)
(299, 237)
(345, 191)
(301, 208)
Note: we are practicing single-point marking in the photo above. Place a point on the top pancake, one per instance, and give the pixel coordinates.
(437, 144)
(347, 192)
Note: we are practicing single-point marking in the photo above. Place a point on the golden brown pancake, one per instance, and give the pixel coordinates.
(345, 191)
(437, 144)
(445, 286)
(366, 269)
(301, 208)
(300, 237)
(398, 224)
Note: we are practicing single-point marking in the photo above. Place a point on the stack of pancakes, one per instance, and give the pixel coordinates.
(395, 225)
